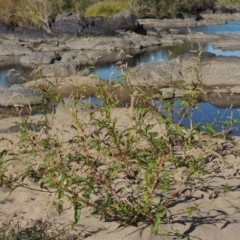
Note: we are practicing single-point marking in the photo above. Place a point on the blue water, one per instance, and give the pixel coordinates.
(205, 112)
(221, 119)
(229, 27)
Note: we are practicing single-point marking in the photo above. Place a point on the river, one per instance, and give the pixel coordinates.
(203, 114)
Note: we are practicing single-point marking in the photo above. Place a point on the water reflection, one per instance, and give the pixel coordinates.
(163, 53)
(229, 27)
(11, 72)
(202, 114)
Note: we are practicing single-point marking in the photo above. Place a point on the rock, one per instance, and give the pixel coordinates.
(171, 93)
(23, 33)
(64, 28)
(155, 73)
(15, 50)
(98, 31)
(96, 22)
(147, 31)
(126, 20)
(229, 41)
(70, 16)
(223, 100)
(3, 28)
(38, 58)
(13, 77)
(235, 89)
(45, 47)
(99, 44)
(174, 31)
(18, 95)
(62, 69)
(207, 69)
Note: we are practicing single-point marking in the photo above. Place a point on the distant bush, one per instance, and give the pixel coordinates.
(105, 9)
(170, 8)
(37, 12)
(229, 3)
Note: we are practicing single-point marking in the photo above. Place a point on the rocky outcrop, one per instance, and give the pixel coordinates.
(229, 41)
(126, 20)
(62, 69)
(23, 33)
(13, 50)
(17, 95)
(176, 22)
(38, 58)
(206, 68)
(65, 28)
(77, 25)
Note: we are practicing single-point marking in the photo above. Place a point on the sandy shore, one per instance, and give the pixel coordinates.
(216, 196)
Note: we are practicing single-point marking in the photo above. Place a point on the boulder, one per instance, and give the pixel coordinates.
(147, 31)
(126, 20)
(206, 68)
(229, 41)
(96, 22)
(13, 50)
(98, 31)
(50, 47)
(38, 58)
(3, 28)
(67, 27)
(62, 69)
(24, 33)
(68, 16)
(17, 95)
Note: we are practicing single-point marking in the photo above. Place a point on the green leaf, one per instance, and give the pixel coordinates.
(209, 128)
(3, 153)
(77, 213)
(157, 222)
(190, 211)
(61, 194)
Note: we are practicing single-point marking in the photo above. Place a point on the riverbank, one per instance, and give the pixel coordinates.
(213, 194)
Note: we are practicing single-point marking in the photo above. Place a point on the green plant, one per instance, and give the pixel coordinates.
(35, 230)
(121, 163)
(105, 9)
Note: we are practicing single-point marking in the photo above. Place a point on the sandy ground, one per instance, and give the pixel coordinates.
(219, 206)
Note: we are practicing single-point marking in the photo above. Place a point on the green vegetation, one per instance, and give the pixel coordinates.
(121, 163)
(229, 3)
(35, 230)
(38, 12)
(105, 9)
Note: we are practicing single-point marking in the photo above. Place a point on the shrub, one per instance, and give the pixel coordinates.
(106, 9)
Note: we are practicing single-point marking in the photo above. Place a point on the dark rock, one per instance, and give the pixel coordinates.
(147, 30)
(23, 33)
(180, 16)
(3, 28)
(199, 17)
(126, 20)
(65, 28)
(98, 31)
(96, 22)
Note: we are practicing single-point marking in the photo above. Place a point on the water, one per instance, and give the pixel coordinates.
(229, 27)
(204, 114)
(220, 119)
(166, 53)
